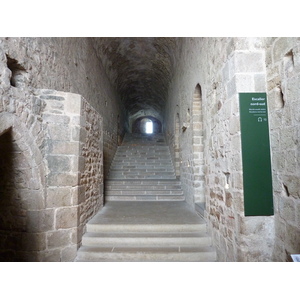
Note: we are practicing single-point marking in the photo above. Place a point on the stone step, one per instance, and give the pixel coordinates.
(146, 149)
(167, 182)
(134, 159)
(125, 162)
(141, 227)
(140, 254)
(141, 172)
(118, 176)
(118, 187)
(141, 192)
(140, 152)
(144, 198)
(147, 168)
(137, 239)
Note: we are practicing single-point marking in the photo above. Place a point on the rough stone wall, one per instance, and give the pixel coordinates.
(69, 65)
(54, 142)
(224, 67)
(51, 174)
(283, 82)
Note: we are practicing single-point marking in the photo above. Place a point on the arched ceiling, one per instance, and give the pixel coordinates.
(140, 69)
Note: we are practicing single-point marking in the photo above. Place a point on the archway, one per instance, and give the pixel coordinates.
(147, 125)
(21, 193)
(198, 147)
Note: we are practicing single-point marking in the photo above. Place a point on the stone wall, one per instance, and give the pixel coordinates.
(69, 65)
(52, 165)
(223, 67)
(51, 174)
(283, 81)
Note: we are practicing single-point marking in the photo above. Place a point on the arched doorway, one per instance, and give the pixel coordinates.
(21, 193)
(146, 125)
(198, 147)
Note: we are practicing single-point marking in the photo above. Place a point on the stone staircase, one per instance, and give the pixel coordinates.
(142, 170)
(145, 217)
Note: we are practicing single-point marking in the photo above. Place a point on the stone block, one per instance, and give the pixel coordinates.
(58, 132)
(78, 195)
(73, 103)
(68, 254)
(52, 255)
(32, 199)
(78, 164)
(65, 148)
(59, 164)
(249, 62)
(75, 133)
(49, 97)
(260, 82)
(58, 197)
(63, 179)
(231, 88)
(58, 238)
(40, 220)
(55, 119)
(54, 107)
(33, 241)
(244, 83)
(225, 73)
(66, 217)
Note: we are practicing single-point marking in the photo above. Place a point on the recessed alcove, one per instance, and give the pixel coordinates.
(18, 73)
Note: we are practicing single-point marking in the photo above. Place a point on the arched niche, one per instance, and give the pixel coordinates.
(21, 192)
(140, 124)
(198, 146)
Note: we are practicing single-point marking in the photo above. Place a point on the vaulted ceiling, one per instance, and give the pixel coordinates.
(140, 69)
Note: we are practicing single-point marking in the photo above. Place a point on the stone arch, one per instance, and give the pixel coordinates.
(21, 192)
(198, 147)
(138, 125)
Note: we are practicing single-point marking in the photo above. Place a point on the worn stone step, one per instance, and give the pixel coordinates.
(148, 168)
(141, 160)
(152, 182)
(137, 239)
(115, 187)
(141, 227)
(166, 254)
(141, 163)
(130, 152)
(141, 192)
(119, 176)
(145, 198)
(141, 172)
(156, 168)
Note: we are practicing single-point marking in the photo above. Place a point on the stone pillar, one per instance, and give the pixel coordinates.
(74, 179)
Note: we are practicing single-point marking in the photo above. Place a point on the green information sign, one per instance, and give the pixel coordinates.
(257, 174)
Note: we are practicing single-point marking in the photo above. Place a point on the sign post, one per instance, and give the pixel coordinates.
(257, 173)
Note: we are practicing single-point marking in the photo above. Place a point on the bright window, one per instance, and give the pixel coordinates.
(149, 127)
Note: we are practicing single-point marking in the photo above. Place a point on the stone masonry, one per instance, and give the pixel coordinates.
(66, 103)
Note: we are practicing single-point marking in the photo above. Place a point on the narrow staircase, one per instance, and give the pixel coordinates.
(145, 216)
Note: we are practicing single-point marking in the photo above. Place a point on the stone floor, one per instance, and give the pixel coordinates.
(144, 231)
(136, 212)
